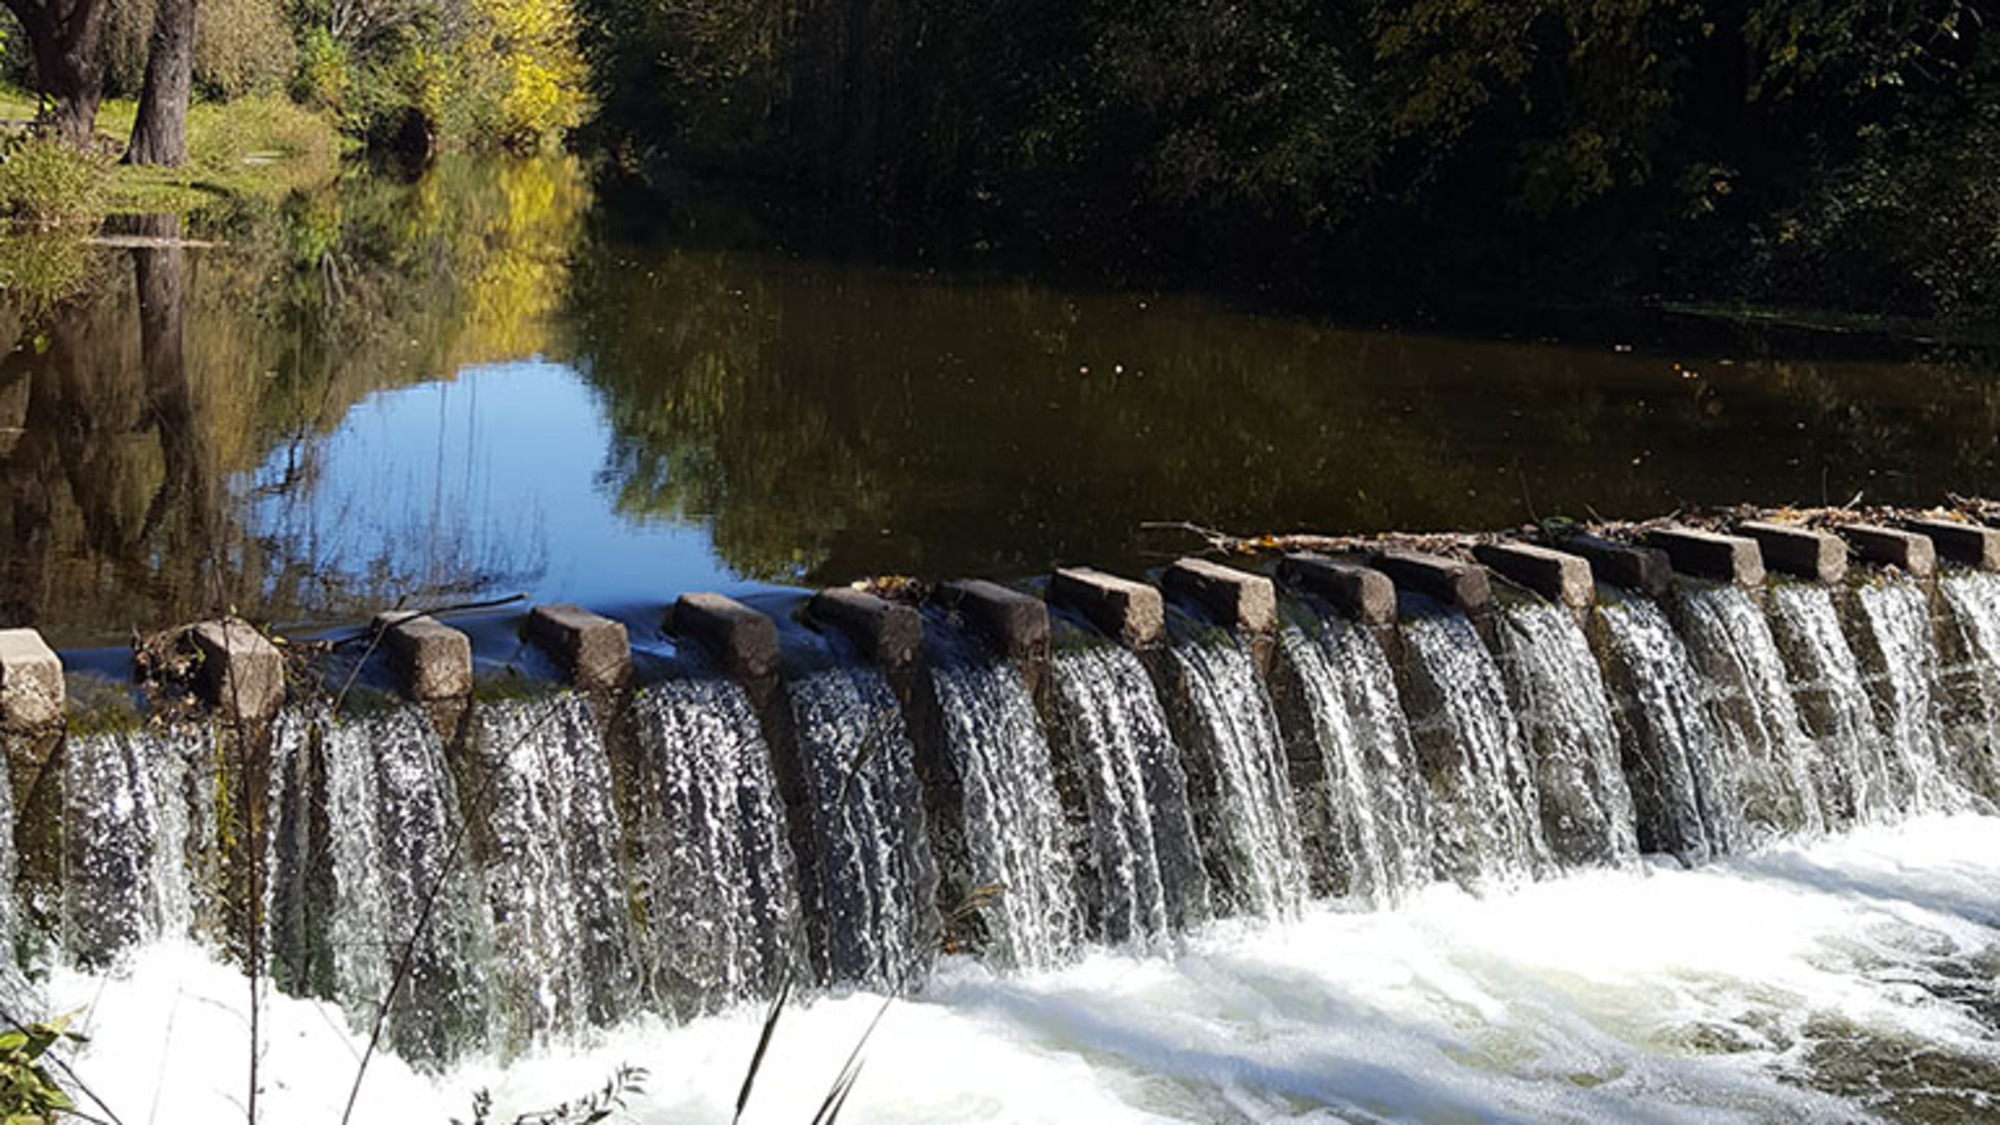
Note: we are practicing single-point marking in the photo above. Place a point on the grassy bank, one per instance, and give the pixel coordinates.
(255, 147)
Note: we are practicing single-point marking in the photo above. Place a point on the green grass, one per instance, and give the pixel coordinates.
(258, 147)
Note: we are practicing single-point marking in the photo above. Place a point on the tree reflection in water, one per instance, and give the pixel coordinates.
(169, 417)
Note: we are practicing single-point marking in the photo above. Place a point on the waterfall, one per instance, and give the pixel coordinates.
(877, 883)
(715, 871)
(1013, 819)
(1903, 671)
(391, 821)
(1853, 771)
(1144, 863)
(1686, 804)
(554, 864)
(1970, 673)
(1376, 821)
(1246, 818)
(1765, 743)
(554, 881)
(127, 837)
(1485, 812)
(1558, 695)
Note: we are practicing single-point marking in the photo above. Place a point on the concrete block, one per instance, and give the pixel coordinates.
(593, 650)
(431, 660)
(1365, 594)
(1235, 598)
(888, 633)
(1560, 577)
(1133, 612)
(1888, 546)
(242, 672)
(1709, 554)
(1643, 570)
(1968, 543)
(745, 641)
(1816, 555)
(1462, 584)
(1015, 623)
(31, 681)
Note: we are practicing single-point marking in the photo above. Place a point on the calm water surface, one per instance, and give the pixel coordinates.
(466, 387)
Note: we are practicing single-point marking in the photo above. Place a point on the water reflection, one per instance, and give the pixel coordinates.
(466, 385)
(861, 421)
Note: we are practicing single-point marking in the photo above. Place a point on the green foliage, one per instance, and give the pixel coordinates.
(425, 74)
(28, 1095)
(598, 1105)
(323, 76)
(242, 47)
(1568, 147)
(40, 268)
(46, 182)
(258, 146)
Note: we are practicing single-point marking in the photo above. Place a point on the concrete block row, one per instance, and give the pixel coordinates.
(243, 674)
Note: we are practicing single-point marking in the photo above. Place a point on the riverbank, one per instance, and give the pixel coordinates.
(257, 148)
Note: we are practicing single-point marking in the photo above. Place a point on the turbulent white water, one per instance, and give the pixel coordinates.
(1742, 992)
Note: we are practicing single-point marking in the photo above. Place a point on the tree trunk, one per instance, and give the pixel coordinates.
(159, 134)
(68, 44)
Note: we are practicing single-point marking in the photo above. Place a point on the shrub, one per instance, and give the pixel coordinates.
(241, 47)
(45, 181)
(324, 75)
(27, 1093)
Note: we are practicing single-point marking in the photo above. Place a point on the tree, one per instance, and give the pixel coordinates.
(159, 133)
(66, 38)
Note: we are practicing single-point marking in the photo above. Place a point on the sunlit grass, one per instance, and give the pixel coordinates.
(255, 146)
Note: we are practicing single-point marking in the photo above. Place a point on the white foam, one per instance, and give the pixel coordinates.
(1578, 1000)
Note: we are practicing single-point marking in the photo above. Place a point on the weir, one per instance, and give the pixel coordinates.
(842, 789)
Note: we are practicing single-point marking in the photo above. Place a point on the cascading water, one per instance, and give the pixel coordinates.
(594, 860)
(877, 882)
(554, 881)
(1558, 695)
(1377, 819)
(1853, 771)
(1247, 820)
(127, 836)
(1685, 800)
(356, 901)
(1970, 675)
(1765, 743)
(1144, 872)
(714, 872)
(1485, 811)
(1013, 819)
(1902, 668)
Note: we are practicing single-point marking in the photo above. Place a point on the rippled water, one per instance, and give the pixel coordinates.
(1747, 991)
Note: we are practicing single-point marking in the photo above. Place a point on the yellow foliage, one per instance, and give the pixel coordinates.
(541, 69)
